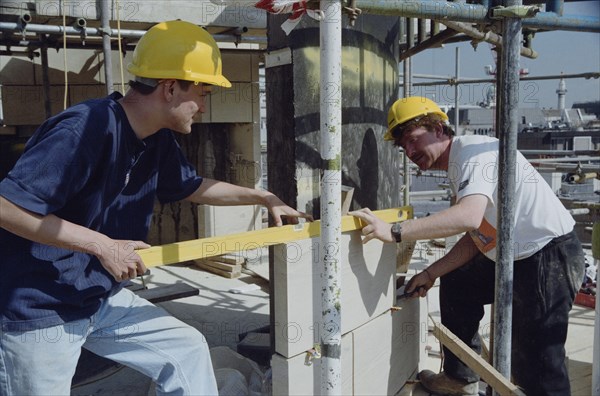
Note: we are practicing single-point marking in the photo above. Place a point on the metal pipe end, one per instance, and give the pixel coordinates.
(80, 23)
(24, 18)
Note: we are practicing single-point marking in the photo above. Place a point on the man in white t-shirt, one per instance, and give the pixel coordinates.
(549, 261)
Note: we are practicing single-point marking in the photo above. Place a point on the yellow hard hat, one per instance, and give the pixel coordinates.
(178, 50)
(406, 109)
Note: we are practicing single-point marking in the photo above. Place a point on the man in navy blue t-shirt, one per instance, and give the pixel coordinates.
(79, 202)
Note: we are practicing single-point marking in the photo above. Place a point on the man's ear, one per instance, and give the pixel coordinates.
(439, 129)
(169, 89)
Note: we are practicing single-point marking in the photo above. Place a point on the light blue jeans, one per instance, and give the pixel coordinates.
(126, 329)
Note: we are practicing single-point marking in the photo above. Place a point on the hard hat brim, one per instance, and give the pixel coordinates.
(218, 80)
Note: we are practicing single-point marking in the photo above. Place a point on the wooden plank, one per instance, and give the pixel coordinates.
(386, 350)
(231, 259)
(580, 377)
(216, 271)
(487, 372)
(367, 288)
(215, 246)
(219, 265)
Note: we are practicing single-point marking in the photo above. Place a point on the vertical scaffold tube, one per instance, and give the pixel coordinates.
(106, 47)
(457, 93)
(407, 64)
(507, 133)
(331, 190)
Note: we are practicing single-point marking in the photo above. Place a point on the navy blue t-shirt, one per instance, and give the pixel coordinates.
(87, 166)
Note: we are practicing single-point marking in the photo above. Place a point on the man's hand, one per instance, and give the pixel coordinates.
(120, 259)
(214, 192)
(419, 284)
(278, 209)
(375, 228)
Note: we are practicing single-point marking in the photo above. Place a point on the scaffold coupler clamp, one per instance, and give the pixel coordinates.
(518, 11)
(352, 11)
(312, 354)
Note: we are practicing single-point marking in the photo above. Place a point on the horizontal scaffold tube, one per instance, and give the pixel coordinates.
(489, 37)
(426, 9)
(125, 33)
(474, 13)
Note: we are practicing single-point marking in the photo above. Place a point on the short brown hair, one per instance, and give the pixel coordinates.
(146, 86)
(428, 122)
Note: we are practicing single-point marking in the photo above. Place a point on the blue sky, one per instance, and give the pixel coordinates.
(559, 51)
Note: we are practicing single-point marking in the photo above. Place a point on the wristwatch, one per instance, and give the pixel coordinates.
(397, 231)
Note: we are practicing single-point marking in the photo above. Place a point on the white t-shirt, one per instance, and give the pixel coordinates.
(539, 214)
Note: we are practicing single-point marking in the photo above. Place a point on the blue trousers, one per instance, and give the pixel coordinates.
(126, 329)
(544, 289)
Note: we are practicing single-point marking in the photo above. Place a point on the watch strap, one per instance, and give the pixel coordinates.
(397, 231)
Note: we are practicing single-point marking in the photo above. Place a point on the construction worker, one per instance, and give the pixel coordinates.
(77, 205)
(549, 260)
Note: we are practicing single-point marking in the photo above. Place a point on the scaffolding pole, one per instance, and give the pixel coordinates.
(106, 48)
(45, 76)
(507, 133)
(457, 92)
(407, 78)
(331, 190)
